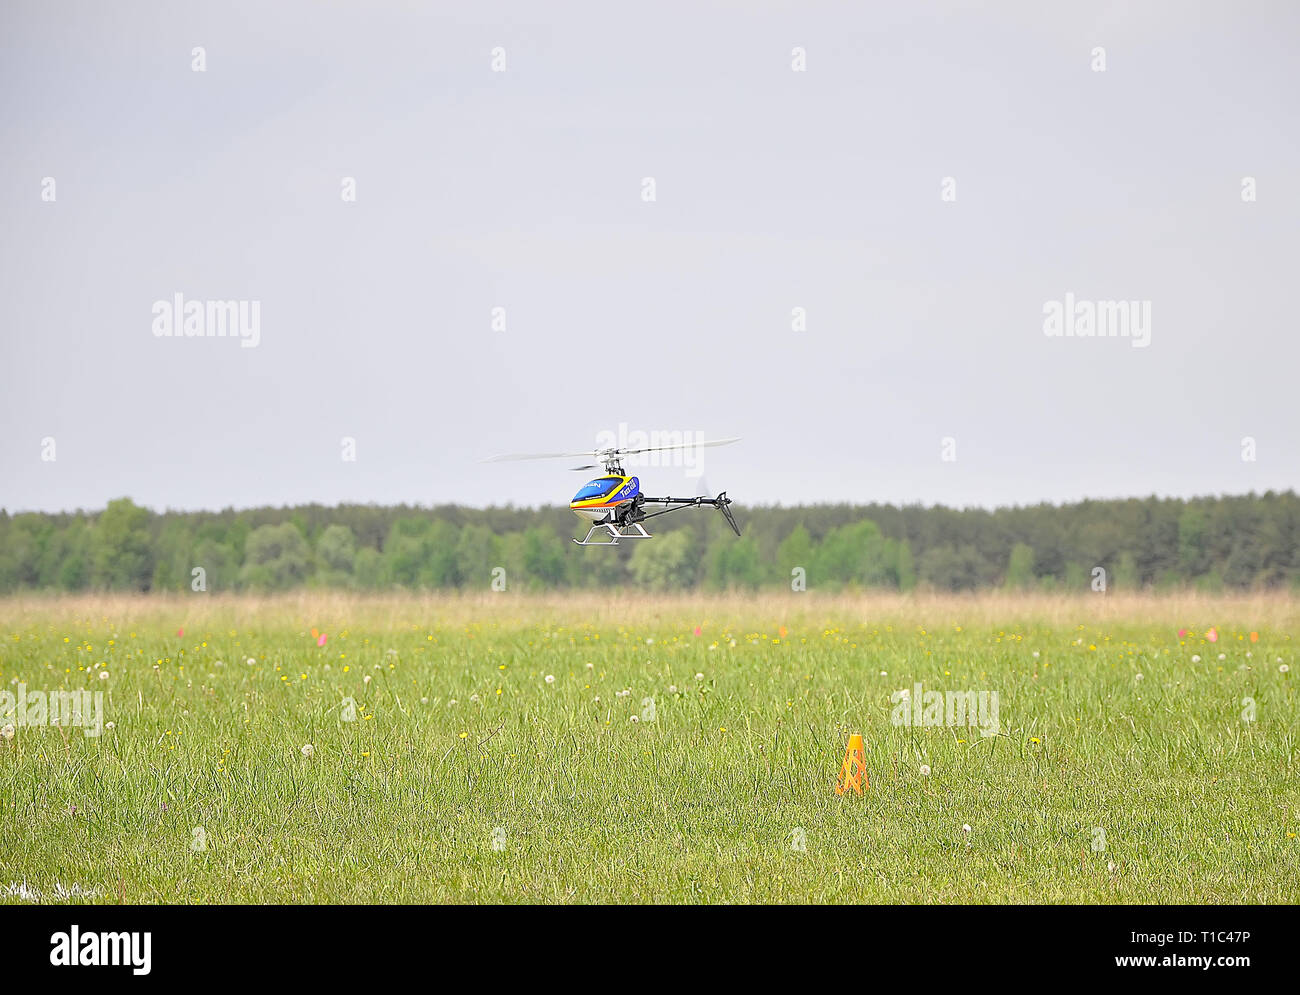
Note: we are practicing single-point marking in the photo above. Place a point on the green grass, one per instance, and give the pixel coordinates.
(1113, 728)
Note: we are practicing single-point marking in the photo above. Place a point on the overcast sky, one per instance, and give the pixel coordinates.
(775, 188)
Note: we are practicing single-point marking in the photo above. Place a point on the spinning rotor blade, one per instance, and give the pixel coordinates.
(682, 445)
(510, 457)
(606, 454)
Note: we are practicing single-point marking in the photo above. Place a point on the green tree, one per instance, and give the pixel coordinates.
(906, 569)
(1126, 572)
(406, 552)
(951, 568)
(795, 550)
(277, 557)
(219, 563)
(543, 556)
(368, 569)
(74, 563)
(1191, 541)
(1077, 577)
(734, 562)
(173, 556)
(121, 547)
(899, 569)
(336, 554)
(420, 553)
(664, 562)
(443, 542)
(1020, 567)
(852, 554)
(477, 552)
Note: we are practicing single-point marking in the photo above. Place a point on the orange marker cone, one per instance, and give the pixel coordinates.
(853, 773)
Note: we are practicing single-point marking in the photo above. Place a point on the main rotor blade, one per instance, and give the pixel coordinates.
(508, 457)
(603, 454)
(683, 445)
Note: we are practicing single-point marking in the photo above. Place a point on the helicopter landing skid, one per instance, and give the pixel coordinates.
(633, 531)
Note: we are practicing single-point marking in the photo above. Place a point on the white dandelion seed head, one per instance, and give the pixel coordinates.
(1196, 659)
(1035, 654)
(633, 719)
(925, 770)
(550, 678)
(699, 677)
(251, 661)
(7, 731)
(1283, 669)
(308, 749)
(1223, 656)
(366, 679)
(103, 675)
(451, 702)
(672, 688)
(965, 828)
(110, 725)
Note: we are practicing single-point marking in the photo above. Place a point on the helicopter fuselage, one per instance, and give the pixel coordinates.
(604, 496)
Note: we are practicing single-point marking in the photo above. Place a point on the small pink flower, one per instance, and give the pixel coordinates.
(1182, 633)
(1212, 635)
(180, 631)
(697, 630)
(321, 640)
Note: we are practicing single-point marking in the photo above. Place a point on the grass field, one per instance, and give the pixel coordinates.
(485, 750)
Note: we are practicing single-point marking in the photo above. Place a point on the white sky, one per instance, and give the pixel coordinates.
(775, 189)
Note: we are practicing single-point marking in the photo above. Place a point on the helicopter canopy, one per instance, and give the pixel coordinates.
(599, 488)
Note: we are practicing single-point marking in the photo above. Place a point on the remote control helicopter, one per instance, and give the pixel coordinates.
(614, 502)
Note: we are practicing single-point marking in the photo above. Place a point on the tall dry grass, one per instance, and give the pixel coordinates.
(335, 610)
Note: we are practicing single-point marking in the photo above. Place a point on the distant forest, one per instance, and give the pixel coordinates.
(1244, 542)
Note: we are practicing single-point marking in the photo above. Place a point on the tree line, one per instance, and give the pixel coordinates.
(1214, 543)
